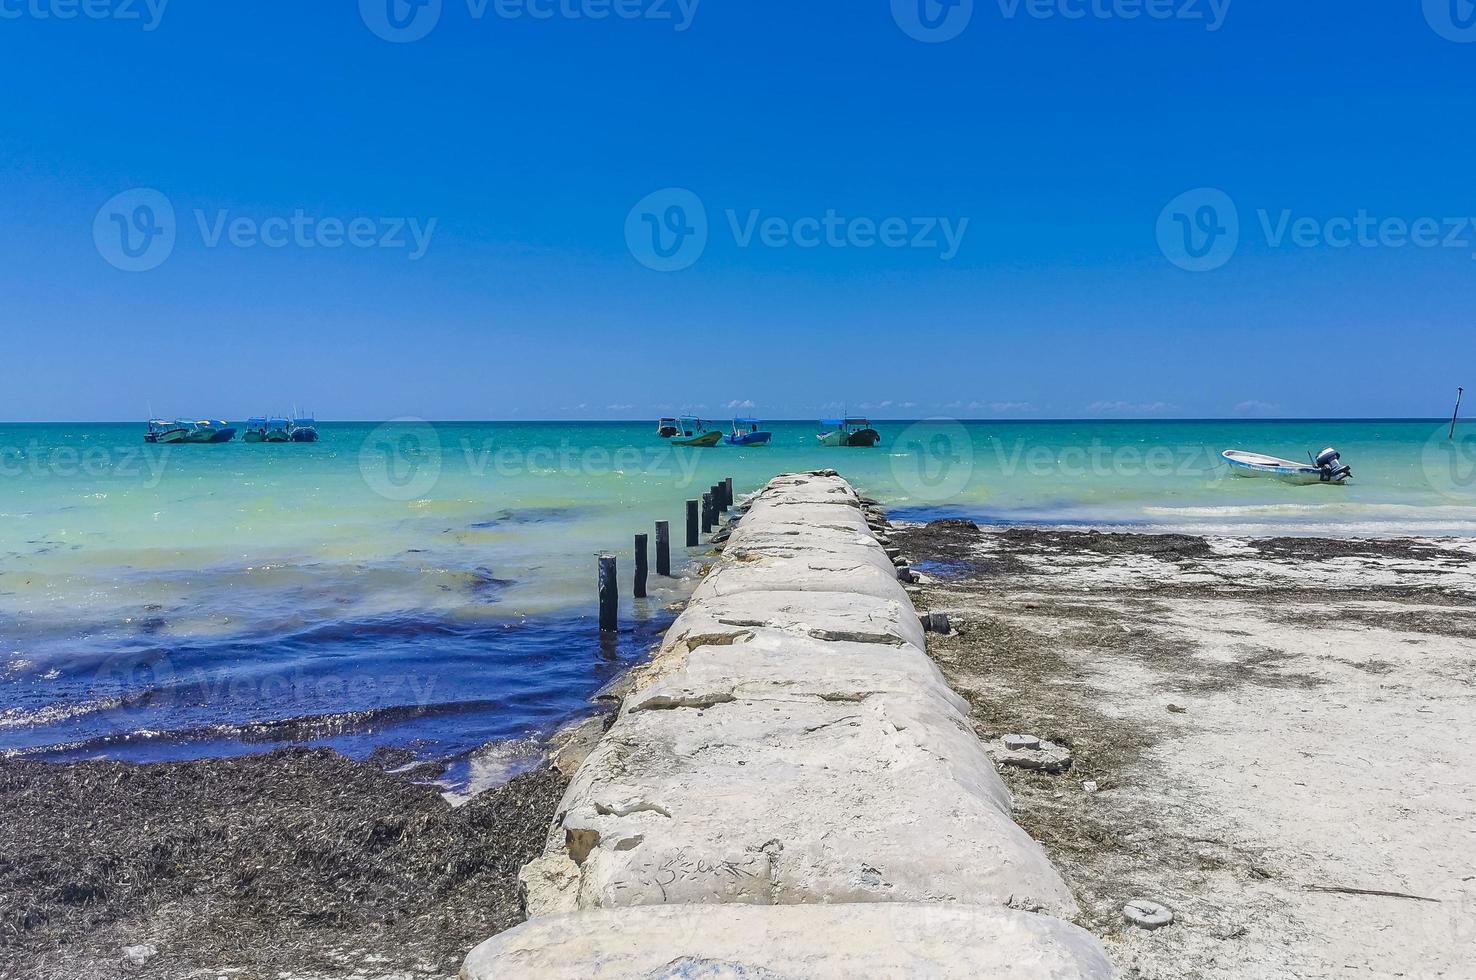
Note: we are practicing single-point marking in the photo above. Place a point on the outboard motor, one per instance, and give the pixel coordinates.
(1330, 462)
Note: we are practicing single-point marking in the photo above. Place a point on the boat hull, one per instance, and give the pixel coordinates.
(205, 437)
(862, 438)
(1254, 466)
(749, 439)
(304, 435)
(706, 439)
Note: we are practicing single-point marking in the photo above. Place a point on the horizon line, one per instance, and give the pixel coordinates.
(807, 421)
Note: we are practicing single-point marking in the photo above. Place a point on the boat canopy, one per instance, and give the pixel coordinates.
(745, 421)
(833, 423)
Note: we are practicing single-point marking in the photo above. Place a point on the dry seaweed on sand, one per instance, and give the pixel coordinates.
(300, 861)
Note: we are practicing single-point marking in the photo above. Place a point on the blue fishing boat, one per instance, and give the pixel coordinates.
(210, 431)
(746, 432)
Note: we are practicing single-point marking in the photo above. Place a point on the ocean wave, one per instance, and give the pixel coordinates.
(312, 728)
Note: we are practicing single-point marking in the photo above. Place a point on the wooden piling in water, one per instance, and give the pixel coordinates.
(691, 524)
(707, 512)
(640, 571)
(663, 548)
(609, 596)
(728, 491)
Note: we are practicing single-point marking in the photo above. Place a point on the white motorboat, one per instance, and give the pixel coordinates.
(1326, 467)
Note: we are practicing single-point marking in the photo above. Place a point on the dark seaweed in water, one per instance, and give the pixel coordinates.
(442, 686)
(954, 548)
(1168, 546)
(271, 863)
(1303, 549)
(529, 515)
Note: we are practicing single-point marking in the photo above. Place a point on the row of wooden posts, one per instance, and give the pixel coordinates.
(703, 517)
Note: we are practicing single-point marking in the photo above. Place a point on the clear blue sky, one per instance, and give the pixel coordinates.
(529, 141)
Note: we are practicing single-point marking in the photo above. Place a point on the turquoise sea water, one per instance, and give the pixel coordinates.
(432, 586)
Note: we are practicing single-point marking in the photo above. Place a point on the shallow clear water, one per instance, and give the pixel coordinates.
(433, 586)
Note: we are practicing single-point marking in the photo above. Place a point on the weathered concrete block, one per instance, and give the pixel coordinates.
(820, 615)
(821, 942)
(884, 798)
(769, 665)
(818, 573)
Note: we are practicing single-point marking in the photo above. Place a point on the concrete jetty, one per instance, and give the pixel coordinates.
(791, 789)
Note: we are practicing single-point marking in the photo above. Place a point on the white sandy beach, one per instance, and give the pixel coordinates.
(1272, 738)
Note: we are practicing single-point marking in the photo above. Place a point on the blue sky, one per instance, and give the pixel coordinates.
(1049, 145)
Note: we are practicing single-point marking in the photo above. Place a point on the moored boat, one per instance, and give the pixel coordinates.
(847, 432)
(304, 430)
(160, 431)
(208, 431)
(1326, 467)
(277, 430)
(256, 430)
(746, 432)
(694, 432)
(666, 428)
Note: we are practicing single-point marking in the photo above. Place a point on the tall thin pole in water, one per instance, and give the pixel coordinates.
(609, 596)
(1459, 393)
(640, 575)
